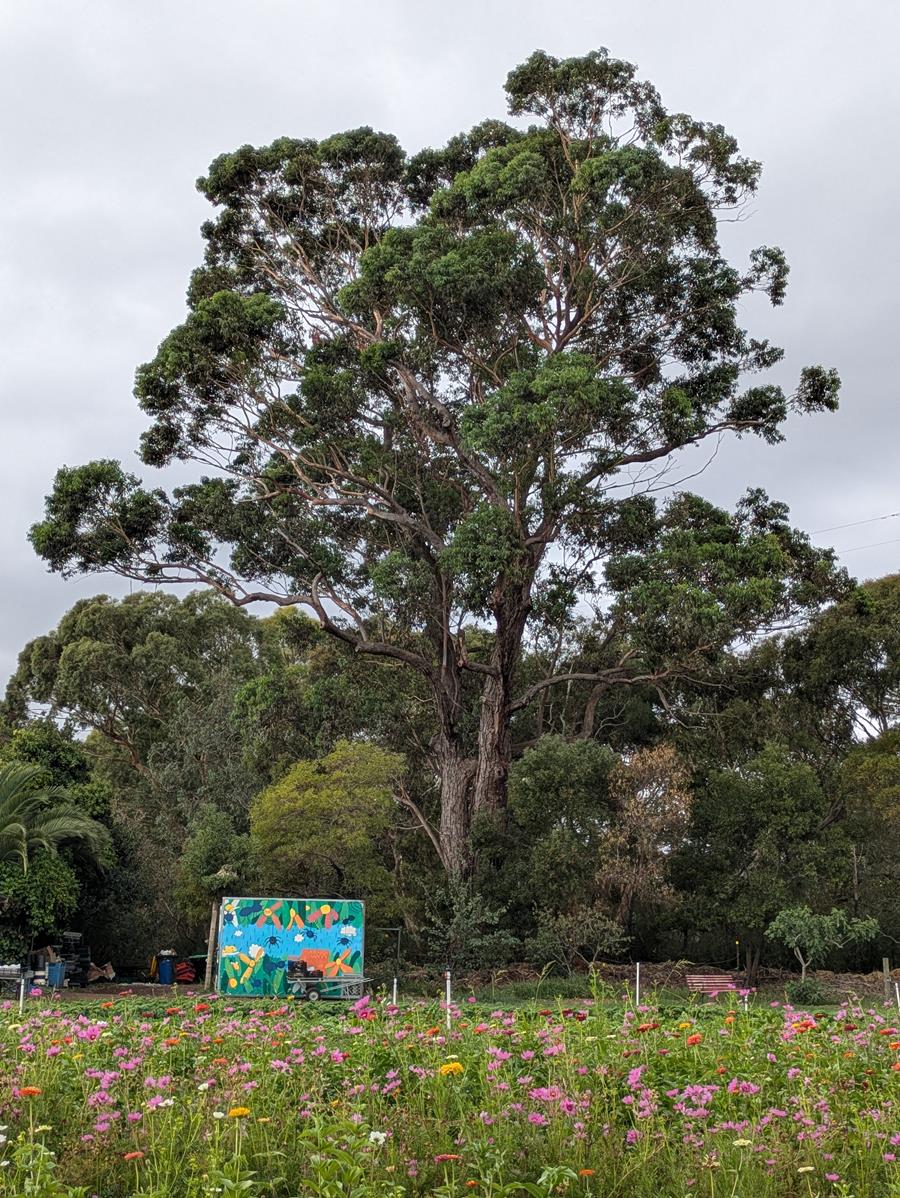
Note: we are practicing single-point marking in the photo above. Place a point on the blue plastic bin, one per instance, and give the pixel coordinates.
(166, 968)
(56, 974)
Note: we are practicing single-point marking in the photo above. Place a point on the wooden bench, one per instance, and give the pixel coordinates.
(709, 984)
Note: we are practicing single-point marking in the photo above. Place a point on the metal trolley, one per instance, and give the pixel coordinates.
(16, 979)
(311, 984)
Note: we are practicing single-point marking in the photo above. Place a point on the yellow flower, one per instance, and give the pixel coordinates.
(741, 1143)
(686, 1023)
(238, 1112)
(450, 1067)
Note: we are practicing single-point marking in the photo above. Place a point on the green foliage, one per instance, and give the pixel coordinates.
(322, 828)
(60, 759)
(850, 656)
(759, 840)
(805, 992)
(813, 936)
(33, 817)
(576, 939)
(215, 861)
(464, 931)
(36, 906)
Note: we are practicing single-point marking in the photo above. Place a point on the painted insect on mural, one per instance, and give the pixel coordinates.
(262, 939)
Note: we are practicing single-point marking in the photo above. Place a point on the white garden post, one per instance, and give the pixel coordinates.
(394, 994)
(447, 984)
(637, 984)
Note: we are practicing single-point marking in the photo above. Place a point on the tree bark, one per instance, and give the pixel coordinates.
(211, 947)
(494, 736)
(456, 773)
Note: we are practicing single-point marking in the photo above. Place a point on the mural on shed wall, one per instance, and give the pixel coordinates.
(259, 937)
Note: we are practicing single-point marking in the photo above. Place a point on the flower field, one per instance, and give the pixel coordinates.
(211, 1097)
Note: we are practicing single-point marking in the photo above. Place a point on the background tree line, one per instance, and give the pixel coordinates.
(225, 752)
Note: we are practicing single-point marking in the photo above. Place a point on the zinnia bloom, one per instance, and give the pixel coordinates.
(695, 1039)
(450, 1067)
(133, 1156)
(238, 1112)
(29, 1092)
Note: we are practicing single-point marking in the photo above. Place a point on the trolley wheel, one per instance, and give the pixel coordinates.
(313, 994)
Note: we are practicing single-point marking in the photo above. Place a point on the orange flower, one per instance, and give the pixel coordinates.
(220, 1060)
(895, 1044)
(29, 1091)
(887, 1031)
(106, 1005)
(432, 1031)
(895, 1066)
(173, 1010)
(695, 1039)
(171, 1041)
(729, 1019)
(133, 1156)
(471, 1184)
(646, 1027)
(585, 1172)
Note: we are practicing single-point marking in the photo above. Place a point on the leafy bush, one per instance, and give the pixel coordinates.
(579, 938)
(463, 930)
(805, 992)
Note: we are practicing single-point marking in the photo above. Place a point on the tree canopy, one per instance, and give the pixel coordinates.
(433, 393)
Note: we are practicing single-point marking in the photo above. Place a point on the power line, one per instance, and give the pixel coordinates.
(874, 545)
(856, 524)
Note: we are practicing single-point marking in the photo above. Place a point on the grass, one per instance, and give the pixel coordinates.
(205, 1096)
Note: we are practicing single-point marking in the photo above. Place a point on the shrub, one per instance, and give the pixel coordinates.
(805, 992)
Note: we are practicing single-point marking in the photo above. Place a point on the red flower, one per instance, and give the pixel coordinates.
(133, 1156)
(695, 1039)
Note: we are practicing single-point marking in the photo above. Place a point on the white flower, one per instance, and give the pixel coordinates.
(218, 1114)
(377, 1137)
(3, 1139)
(203, 1087)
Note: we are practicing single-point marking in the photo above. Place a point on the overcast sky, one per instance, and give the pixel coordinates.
(110, 109)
